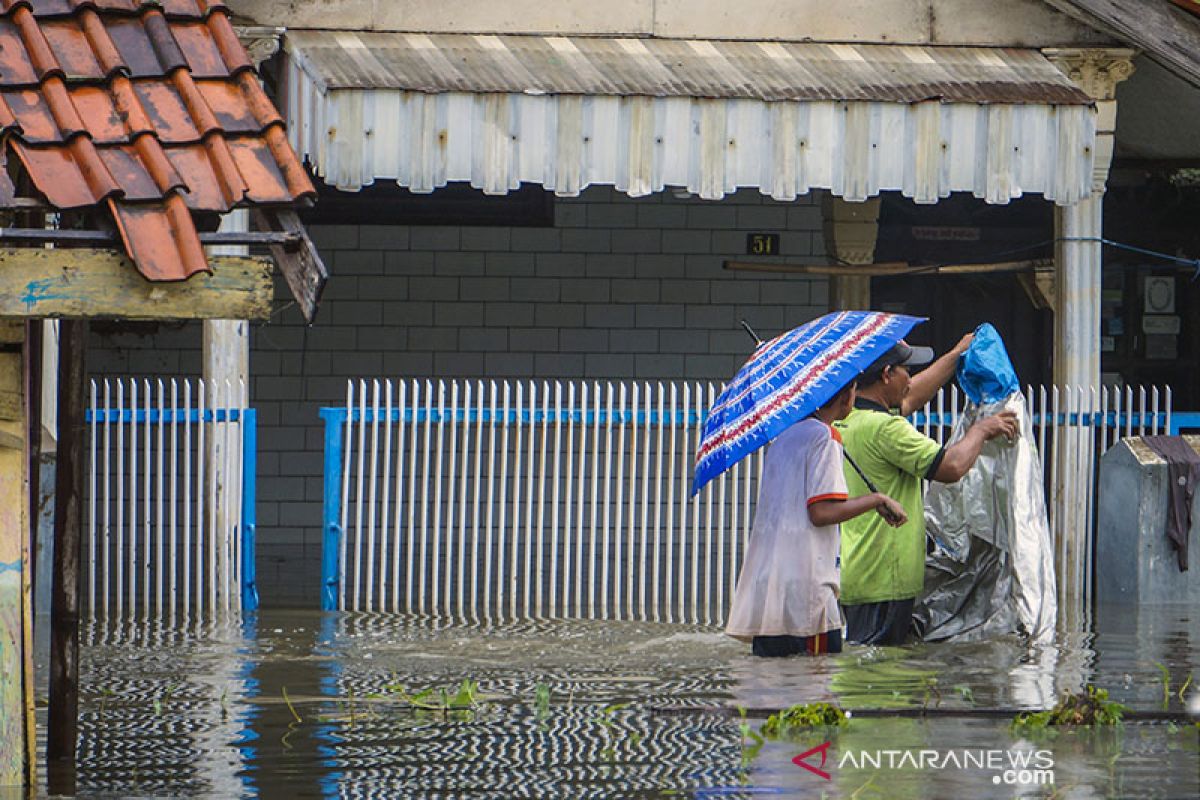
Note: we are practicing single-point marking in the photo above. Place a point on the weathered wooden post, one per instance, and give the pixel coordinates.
(16, 665)
(61, 733)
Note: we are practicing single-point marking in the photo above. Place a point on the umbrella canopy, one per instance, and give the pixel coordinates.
(789, 378)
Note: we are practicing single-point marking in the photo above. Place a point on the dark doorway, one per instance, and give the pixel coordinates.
(964, 230)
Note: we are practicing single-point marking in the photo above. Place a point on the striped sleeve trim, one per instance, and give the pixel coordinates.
(831, 496)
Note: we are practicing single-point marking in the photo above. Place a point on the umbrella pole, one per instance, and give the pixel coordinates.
(885, 511)
(753, 335)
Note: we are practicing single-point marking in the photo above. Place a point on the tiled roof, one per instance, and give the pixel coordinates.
(151, 108)
(1190, 6)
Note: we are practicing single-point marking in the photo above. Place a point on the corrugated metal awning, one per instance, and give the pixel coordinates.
(711, 116)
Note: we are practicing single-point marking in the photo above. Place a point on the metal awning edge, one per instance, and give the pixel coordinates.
(756, 70)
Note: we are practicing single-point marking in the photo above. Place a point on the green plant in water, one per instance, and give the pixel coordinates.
(966, 693)
(541, 701)
(1166, 684)
(1089, 707)
(295, 723)
(464, 700)
(869, 785)
(161, 702)
(808, 715)
(105, 693)
(605, 718)
(749, 752)
(931, 691)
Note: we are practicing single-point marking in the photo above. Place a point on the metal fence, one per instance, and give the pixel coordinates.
(552, 499)
(171, 500)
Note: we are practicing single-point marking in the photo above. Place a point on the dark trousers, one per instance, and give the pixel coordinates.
(883, 623)
(778, 646)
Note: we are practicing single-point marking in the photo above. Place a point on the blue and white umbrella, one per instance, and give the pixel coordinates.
(790, 377)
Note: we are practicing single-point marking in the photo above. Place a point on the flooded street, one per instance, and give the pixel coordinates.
(304, 704)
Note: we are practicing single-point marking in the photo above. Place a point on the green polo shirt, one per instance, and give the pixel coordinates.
(880, 562)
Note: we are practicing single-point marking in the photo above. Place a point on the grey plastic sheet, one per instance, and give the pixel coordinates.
(992, 570)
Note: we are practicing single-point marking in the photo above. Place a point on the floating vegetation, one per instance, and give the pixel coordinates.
(604, 717)
(800, 716)
(870, 786)
(293, 725)
(462, 703)
(105, 693)
(541, 701)
(1089, 707)
(931, 692)
(161, 702)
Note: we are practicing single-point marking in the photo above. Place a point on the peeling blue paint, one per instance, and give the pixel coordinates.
(36, 291)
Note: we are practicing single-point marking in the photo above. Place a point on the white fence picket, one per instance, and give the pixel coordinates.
(156, 547)
(538, 500)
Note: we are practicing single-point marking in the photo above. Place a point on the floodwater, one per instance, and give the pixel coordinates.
(298, 704)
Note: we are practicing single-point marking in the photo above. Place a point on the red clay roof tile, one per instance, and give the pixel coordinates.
(148, 108)
(160, 237)
(165, 111)
(98, 110)
(15, 67)
(206, 190)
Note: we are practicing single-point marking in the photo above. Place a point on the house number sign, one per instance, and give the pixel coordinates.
(762, 244)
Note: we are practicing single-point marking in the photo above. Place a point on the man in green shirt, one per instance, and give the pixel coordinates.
(883, 568)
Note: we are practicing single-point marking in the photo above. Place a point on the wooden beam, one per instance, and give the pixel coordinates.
(814, 269)
(71, 236)
(302, 268)
(1039, 286)
(890, 269)
(104, 284)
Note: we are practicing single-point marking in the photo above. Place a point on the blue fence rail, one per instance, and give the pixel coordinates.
(1177, 421)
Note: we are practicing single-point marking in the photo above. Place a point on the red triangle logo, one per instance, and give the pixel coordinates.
(823, 749)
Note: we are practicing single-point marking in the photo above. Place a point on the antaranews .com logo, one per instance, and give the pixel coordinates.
(1009, 767)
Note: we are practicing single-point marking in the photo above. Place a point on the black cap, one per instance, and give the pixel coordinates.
(901, 354)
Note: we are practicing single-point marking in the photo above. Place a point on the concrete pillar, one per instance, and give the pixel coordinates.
(850, 233)
(1077, 227)
(1078, 260)
(16, 688)
(226, 348)
(226, 358)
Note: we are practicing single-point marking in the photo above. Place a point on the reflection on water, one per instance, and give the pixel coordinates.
(303, 704)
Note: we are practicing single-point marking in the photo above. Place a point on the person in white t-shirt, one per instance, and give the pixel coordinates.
(786, 600)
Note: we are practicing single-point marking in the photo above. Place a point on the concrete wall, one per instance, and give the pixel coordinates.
(1015, 23)
(617, 288)
(1135, 562)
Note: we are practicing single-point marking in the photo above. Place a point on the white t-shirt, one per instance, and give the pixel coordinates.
(789, 582)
